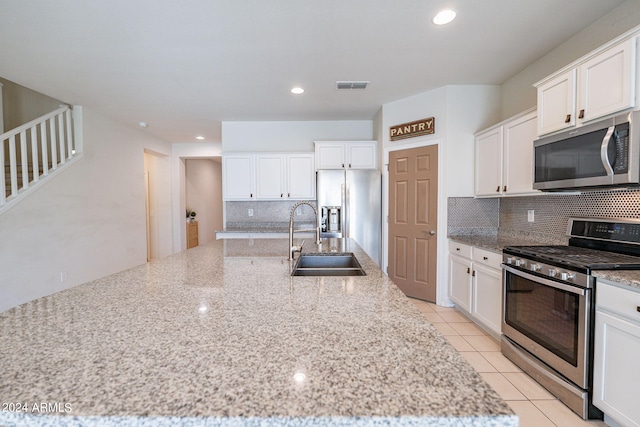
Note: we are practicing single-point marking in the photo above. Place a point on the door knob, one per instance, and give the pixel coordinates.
(432, 232)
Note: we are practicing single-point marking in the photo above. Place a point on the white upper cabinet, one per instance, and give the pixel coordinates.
(238, 181)
(598, 85)
(488, 162)
(301, 176)
(346, 154)
(504, 157)
(269, 176)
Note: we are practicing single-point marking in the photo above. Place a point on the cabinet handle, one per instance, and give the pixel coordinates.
(469, 271)
(485, 258)
(281, 195)
(638, 309)
(349, 165)
(251, 195)
(343, 165)
(498, 189)
(473, 274)
(504, 189)
(457, 249)
(288, 194)
(581, 115)
(568, 118)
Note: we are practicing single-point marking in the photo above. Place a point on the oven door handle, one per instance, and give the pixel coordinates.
(572, 289)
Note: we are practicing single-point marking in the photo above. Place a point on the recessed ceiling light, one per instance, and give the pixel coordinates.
(199, 137)
(297, 90)
(143, 124)
(444, 17)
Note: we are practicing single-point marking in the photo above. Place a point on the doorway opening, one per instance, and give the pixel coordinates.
(203, 195)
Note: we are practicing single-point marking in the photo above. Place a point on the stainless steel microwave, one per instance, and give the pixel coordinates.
(602, 154)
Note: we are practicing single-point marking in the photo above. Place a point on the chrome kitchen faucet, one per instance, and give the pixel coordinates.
(292, 248)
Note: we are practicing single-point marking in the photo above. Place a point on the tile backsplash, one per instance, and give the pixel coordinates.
(266, 214)
(551, 211)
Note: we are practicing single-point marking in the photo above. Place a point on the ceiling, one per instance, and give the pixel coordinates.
(185, 66)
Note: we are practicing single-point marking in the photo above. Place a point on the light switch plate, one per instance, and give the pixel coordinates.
(250, 212)
(530, 216)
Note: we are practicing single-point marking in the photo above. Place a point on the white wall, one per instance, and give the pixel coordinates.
(459, 112)
(87, 222)
(204, 195)
(518, 93)
(158, 167)
(290, 136)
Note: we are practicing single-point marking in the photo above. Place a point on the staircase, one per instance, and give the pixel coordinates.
(32, 153)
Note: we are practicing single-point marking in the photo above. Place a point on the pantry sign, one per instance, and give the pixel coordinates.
(412, 129)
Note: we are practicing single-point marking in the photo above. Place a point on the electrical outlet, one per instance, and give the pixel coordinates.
(530, 216)
(63, 276)
(250, 212)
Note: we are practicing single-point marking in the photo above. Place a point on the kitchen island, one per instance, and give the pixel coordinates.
(222, 335)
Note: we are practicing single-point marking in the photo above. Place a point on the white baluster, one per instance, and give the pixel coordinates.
(44, 148)
(13, 166)
(34, 155)
(24, 160)
(67, 116)
(63, 157)
(54, 143)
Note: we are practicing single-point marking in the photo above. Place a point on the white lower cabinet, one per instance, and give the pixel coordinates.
(475, 284)
(617, 353)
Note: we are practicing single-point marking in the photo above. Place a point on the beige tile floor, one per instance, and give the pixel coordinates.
(533, 404)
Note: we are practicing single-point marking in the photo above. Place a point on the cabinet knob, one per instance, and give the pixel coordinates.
(568, 118)
(504, 188)
(581, 115)
(349, 164)
(457, 249)
(485, 258)
(281, 195)
(251, 195)
(343, 165)
(638, 309)
(498, 189)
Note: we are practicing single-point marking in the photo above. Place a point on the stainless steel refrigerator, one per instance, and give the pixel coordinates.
(349, 205)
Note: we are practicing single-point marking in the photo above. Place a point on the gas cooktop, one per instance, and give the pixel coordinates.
(577, 257)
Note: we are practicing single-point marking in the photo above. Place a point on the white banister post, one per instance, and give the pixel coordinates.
(44, 147)
(54, 143)
(68, 134)
(13, 165)
(1, 113)
(77, 129)
(24, 159)
(34, 154)
(63, 156)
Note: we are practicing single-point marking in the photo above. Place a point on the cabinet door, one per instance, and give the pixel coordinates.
(616, 368)
(361, 155)
(301, 176)
(488, 163)
(460, 282)
(487, 297)
(557, 103)
(330, 155)
(517, 163)
(238, 177)
(607, 82)
(270, 176)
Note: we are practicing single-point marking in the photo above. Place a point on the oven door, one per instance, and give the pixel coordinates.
(548, 319)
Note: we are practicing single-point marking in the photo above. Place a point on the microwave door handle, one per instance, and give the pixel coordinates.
(604, 151)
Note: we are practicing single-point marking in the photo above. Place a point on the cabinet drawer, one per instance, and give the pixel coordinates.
(460, 249)
(488, 258)
(625, 302)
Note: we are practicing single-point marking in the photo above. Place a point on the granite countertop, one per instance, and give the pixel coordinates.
(626, 278)
(496, 243)
(263, 227)
(222, 335)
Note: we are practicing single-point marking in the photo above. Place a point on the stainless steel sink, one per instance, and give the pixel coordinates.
(342, 264)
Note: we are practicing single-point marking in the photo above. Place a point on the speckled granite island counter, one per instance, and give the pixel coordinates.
(221, 336)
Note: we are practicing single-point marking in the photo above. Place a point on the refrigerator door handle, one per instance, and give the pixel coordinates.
(347, 215)
(343, 213)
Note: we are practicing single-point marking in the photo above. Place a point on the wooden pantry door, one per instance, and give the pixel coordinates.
(413, 220)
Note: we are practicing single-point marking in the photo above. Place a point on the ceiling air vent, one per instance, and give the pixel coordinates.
(345, 85)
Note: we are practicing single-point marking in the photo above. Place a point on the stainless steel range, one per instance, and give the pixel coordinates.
(549, 304)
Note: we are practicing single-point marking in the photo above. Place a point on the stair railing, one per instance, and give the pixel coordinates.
(36, 150)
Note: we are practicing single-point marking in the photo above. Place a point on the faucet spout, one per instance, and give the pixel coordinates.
(293, 248)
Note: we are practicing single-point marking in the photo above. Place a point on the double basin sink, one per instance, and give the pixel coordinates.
(338, 264)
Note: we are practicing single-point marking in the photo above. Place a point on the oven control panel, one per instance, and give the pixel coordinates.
(546, 270)
(615, 230)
